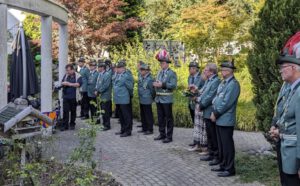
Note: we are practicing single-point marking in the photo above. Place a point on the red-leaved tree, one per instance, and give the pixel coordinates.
(96, 24)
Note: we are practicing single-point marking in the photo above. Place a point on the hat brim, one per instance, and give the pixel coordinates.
(194, 66)
(167, 61)
(287, 59)
(225, 66)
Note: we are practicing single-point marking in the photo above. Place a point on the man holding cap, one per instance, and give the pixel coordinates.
(165, 84)
(146, 94)
(224, 114)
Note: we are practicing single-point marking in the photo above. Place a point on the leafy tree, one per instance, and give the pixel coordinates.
(96, 24)
(134, 9)
(278, 20)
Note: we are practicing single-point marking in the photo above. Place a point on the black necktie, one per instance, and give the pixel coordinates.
(193, 80)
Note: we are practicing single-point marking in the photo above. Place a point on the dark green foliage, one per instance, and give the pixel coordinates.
(262, 169)
(278, 20)
(134, 9)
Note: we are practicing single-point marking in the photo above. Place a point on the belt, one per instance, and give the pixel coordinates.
(288, 137)
(164, 93)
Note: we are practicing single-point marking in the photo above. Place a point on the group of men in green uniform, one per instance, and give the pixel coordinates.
(116, 83)
(217, 100)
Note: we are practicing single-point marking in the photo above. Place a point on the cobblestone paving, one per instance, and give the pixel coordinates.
(139, 160)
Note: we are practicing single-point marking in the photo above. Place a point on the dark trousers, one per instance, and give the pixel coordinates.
(226, 148)
(212, 140)
(146, 117)
(84, 112)
(117, 111)
(165, 119)
(125, 114)
(290, 179)
(92, 106)
(69, 106)
(105, 106)
(278, 145)
(192, 112)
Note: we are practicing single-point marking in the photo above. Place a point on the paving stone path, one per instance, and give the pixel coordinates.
(139, 160)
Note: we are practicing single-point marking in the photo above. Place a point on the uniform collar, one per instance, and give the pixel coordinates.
(295, 84)
(212, 77)
(228, 79)
(92, 72)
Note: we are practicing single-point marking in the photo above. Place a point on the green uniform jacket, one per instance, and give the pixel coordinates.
(169, 81)
(146, 89)
(104, 86)
(209, 92)
(225, 102)
(198, 82)
(84, 72)
(123, 88)
(93, 76)
(289, 126)
(282, 97)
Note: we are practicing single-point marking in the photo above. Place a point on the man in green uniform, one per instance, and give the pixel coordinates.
(289, 121)
(205, 104)
(84, 72)
(224, 114)
(123, 91)
(196, 81)
(165, 84)
(92, 80)
(282, 97)
(103, 89)
(146, 94)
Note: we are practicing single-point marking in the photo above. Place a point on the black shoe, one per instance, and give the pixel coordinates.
(139, 126)
(72, 128)
(119, 133)
(125, 135)
(192, 144)
(85, 118)
(217, 169)
(106, 128)
(159, 138)
(148, 133)
(62, 129)
(214, 162)
(167, 140)
(226, 174)
(207, 158)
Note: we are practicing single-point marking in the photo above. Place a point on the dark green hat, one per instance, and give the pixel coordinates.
(81, 59)
(291, 51)
(93, 62)
(228, 64)
(121, 63)
(107, 62)
(101, 64)
(145, 67)
(194, 64)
